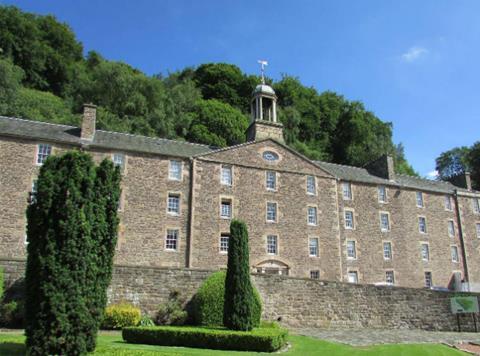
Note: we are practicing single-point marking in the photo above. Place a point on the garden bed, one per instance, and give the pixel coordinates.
(263, 339)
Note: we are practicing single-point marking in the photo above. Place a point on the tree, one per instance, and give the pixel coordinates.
(453, 162)
(70, 220)
(474, 164)
(239, 307)
(10, 79)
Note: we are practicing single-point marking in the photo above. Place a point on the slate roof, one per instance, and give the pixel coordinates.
(103, 139)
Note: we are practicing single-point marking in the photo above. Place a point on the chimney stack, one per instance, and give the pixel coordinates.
(382, 167)
(462, 180)
(88, 122)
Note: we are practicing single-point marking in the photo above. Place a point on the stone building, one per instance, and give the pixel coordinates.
(305, 218)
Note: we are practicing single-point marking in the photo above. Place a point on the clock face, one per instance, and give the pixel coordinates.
(270, 156)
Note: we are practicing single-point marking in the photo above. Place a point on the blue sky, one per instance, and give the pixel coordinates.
(414, 63)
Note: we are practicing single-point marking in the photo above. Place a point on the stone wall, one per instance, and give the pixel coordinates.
(299, 302)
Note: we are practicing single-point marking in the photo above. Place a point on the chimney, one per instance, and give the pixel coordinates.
(382, 167)
(462, 180)
(88, 122)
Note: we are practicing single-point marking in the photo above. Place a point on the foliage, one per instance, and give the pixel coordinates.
(71, 234)
(12, 314)
(172, 312)
(118, 316)
(208, 302)
(2, 283)
(145, 320)
(239, 304)
(259, 340)
(474, 161)
(459, 160)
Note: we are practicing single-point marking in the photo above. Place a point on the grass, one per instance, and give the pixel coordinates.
(12, 343)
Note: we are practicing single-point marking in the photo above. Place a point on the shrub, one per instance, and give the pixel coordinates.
(239, 304)
(12, 314)
(118, 316)
(146, 321)
(1, 284)
(172, 312)
(259, 339)
(209, 299)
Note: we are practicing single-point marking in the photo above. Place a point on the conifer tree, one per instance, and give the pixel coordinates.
(238, 311)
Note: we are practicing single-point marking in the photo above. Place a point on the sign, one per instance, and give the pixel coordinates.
(464, 305)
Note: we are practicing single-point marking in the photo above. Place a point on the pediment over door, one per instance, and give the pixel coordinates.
(272, 267)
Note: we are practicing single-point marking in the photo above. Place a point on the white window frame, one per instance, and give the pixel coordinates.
(382, 194)
(477, 227)
(313, 246)
(451, 228)
(170, 241)
(347, 191)
(425, 252)
(389, 249)
(352, 221)
(429, 280)
(169, 200)
(223, 247)
(455, 257)
(419, 200)
(33, 193)
(352, 277)
(313, 209)
(311, 186)
(44, 150)
(315, 274)
(390, 273)
(353, 244)
(420, 218)
(272, 245)
(389, 227)
(268, 180)
(118, 159)
(448, 203)
(176, 173)
(226, 179)
(275, 211)
(230, 209)
(476, 205)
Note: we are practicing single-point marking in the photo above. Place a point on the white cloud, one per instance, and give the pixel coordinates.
(432, 174)
(414, 53)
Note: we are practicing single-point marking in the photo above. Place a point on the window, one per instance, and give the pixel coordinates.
(478, 229)
(311, 185)
(226, 209)
(173, 204)
(448, 202)
(272, 248)
(43, 151)
(175, 170)
(422, 225)
(476, 205)
(312, 215)
(428, 279)
(390, 277)
(313, 247)
(451, 228)
(352, 277)
(118, 159)
(349, 224)
(387, 250)
(271, 180)
(33, 193)
(425, 252)
(271, 211)
(25, 239)
(347, 191)
(384, 222)
(419, 196)
(454, 252)
(224, 243)
(351, 250)
(382, 194)
(315, 274)
(226, 175)
(171, 242)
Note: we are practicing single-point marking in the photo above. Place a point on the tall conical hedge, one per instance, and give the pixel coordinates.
(239, 304)
(65, 283)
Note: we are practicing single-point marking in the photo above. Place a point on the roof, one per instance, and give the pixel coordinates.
(357, 174)
(103, 139)
(263, 88)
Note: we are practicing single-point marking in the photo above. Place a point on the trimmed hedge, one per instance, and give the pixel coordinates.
(208, 302)
(259, 339)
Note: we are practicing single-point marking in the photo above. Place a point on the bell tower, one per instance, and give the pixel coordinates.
(263, 107)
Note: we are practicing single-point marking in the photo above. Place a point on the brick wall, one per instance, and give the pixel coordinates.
(299, 302)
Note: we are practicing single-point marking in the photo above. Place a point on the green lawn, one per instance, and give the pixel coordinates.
(112, 344)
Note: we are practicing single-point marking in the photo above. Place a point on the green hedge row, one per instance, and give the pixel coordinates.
(259, 339)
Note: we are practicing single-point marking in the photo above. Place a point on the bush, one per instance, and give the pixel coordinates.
(209, 299)
(146, 321)
(1, 284)
(259, 340)
(12, 314)
(172, 312)
(118, 316)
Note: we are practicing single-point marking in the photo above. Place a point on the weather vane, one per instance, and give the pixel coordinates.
(262, 65)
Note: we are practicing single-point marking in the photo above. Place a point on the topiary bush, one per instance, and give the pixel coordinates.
(172, 312)
(118, 316)
(209, 299)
